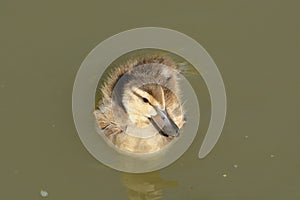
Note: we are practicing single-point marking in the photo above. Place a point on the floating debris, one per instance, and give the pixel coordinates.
(246, 136)
(235, 166)
(44, 193)
(224, 175)
(272, 155)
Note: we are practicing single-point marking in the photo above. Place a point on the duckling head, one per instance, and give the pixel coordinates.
(146, 106)
(148, 95)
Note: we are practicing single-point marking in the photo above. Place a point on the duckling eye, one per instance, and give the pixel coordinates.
(145, 100)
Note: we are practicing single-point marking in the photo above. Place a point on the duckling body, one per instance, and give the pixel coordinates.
(140, 110)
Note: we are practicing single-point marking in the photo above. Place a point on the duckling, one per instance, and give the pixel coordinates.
(140, 110)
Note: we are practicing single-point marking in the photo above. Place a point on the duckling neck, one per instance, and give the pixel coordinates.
(141, 132)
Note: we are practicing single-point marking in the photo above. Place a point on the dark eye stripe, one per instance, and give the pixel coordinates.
(143, 98)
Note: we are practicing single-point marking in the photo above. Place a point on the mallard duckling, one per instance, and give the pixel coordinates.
(140, 110)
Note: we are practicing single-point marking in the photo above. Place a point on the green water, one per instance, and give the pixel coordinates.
(256, 46)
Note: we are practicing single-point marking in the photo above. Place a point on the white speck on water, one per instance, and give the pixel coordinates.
(44, 193)
(235, 166)
(53, 125)
(224, 175)
(272, 155)
(246, 136)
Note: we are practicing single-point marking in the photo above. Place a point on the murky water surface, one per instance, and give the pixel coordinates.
(256, 47)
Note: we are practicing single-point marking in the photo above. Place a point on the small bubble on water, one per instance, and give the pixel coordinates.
(44, 193)
(53, 125)
(246, 136)
(224, 175)
(235, 166)
(272, 155)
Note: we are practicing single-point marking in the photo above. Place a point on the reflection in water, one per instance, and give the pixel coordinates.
(148, 186)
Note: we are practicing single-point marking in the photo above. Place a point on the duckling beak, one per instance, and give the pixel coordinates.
(164, 123)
